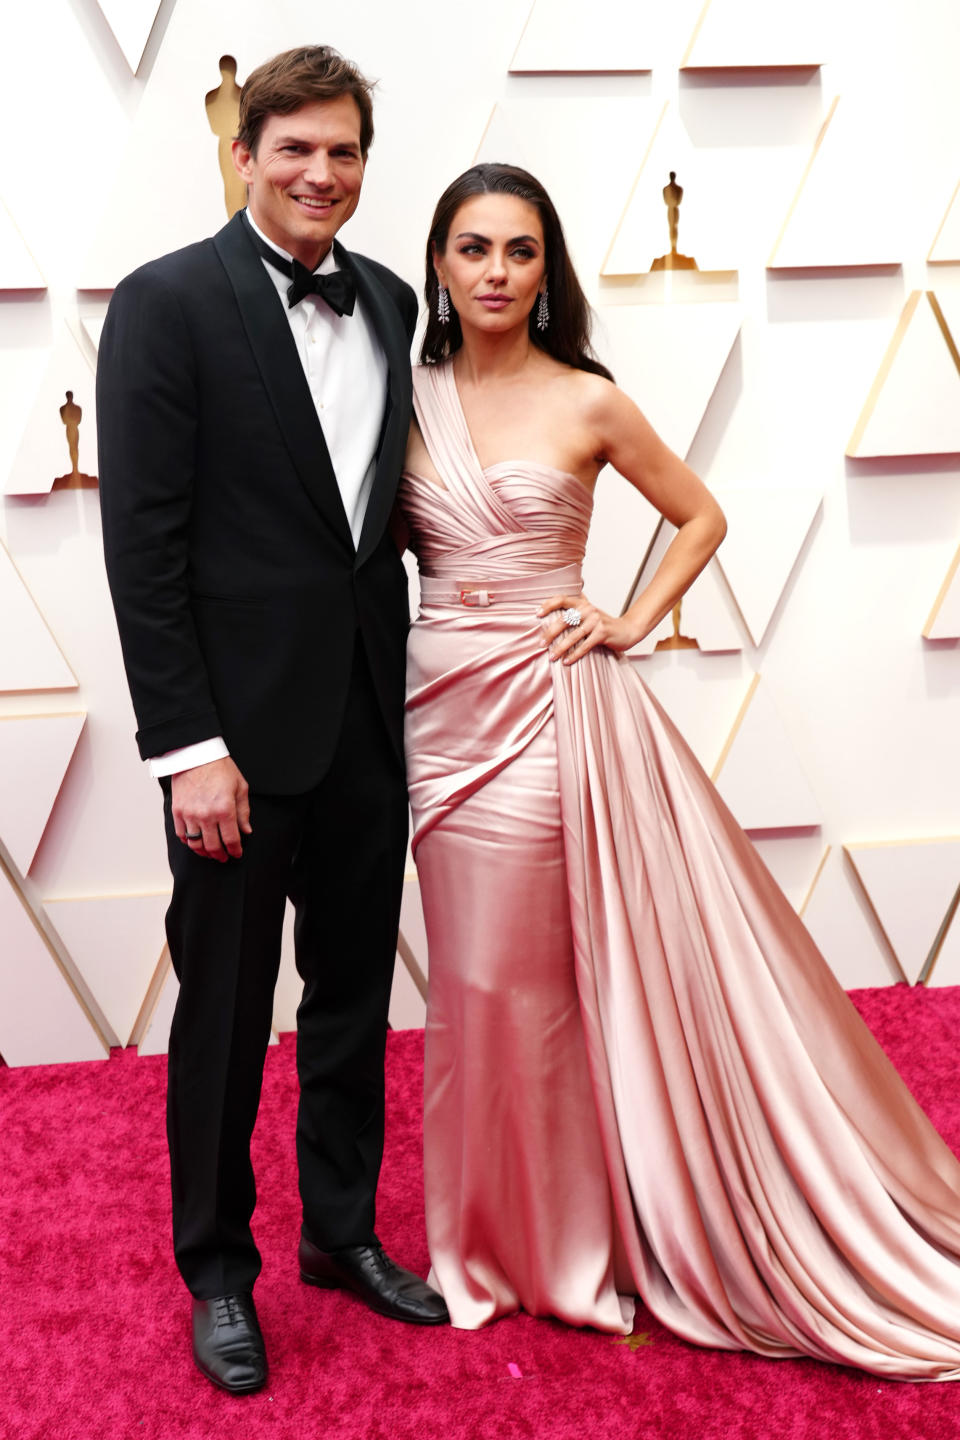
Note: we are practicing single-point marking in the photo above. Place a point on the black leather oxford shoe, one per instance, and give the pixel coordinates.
(372, 1275)
(227, 1343)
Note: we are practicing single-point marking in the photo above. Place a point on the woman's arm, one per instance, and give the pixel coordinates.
(628, 442)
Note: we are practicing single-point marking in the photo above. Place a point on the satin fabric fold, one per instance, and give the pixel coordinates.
(641, 1075)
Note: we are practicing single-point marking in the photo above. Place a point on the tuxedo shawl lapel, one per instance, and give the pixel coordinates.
(393, 436)
(280, 368)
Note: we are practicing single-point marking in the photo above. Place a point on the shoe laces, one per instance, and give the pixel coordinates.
(227, 1310)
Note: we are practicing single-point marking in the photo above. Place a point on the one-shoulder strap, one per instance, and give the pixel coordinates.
(443, 426)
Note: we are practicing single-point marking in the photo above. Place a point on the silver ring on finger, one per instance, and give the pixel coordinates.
(188, 836)
(571, 618)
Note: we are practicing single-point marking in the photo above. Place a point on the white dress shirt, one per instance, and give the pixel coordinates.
(346, 371)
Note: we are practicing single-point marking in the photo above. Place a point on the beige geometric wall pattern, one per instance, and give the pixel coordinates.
(670, 362)
(156, 1014)
(844, 926)
(843, 213)
(131, 22)
(913, 407)
(945, 966)
(669, 359)
(30, 658)
(642, 231)
(945, 249)
(758, 773)
(35, 751)
(560, 140)
(92, 326)
(18, 269)
(44, 452)
(42, 1018)
(567, 37)
(702, 702)
(745, 34)
(943, 622)
(912, 887)
(707, 612)
(766, 531)
(112, 940)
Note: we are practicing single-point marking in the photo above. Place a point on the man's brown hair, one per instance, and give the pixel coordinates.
(297, 78)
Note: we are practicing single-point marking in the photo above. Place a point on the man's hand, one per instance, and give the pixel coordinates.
(211, 809)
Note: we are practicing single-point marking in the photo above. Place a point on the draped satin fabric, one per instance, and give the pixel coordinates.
(641, 1076)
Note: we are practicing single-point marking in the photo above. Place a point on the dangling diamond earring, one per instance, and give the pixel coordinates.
(443, 304)
(543, 311)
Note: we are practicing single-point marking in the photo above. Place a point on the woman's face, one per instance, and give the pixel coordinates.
(493, 264)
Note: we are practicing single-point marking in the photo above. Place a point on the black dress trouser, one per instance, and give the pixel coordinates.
(338, 852)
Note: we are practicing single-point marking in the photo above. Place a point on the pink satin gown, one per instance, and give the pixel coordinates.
(641, 1076)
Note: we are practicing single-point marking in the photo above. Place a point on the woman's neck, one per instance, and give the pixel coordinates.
(485, 357)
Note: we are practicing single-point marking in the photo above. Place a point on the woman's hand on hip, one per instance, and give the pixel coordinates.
(572, 626)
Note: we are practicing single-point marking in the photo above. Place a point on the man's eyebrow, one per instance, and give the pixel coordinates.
(293, 139)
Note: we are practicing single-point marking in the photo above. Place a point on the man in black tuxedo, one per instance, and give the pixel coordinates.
(253, 405)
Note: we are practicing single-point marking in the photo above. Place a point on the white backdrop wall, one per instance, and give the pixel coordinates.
(842, 758)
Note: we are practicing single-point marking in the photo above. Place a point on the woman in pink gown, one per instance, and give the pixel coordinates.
(641, 1076)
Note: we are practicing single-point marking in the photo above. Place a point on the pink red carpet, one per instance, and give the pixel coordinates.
(94, 1320)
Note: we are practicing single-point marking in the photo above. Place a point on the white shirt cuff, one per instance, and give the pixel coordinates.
(188, 757)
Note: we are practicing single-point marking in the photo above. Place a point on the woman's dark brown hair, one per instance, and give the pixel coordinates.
(567, 337)
(297, 78)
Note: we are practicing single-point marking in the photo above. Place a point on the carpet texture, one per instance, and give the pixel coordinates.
(94, 1319)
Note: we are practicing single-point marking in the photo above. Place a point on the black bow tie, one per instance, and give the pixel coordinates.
(338, 288)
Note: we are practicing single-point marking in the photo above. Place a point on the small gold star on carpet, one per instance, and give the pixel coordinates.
(634, 1341)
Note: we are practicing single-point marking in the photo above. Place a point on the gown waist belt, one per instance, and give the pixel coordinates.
(437, 590)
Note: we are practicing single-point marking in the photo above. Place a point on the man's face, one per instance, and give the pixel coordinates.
(304, 181)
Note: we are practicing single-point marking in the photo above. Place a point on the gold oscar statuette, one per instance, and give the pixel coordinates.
(223, 113)
(71, 414)
(673, 260)
(676, 641)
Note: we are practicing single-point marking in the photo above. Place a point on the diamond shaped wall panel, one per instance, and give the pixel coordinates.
(42, 1021)
(759, 775)
(946, 966)
(30, 658)
(131, 22)
(568, 37)
(766, 530)
(621, 532)
(114, 941)
(702, 695)
(707, 614)
(910, 885)
(943, 622)
(669, 358)
(945, 249)
(561, 140)
(845, 929)
(642, 233)
(57, 421)
(747, 34)
(35, 751)
(155, 1036)
(914, 404)
(844, 212)
(18, 269)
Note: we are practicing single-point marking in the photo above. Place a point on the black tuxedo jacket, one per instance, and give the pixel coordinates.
(236, 584)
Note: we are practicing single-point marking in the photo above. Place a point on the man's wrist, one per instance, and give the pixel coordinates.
(188, 757)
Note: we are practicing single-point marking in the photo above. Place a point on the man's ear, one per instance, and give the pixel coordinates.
(242, 159)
